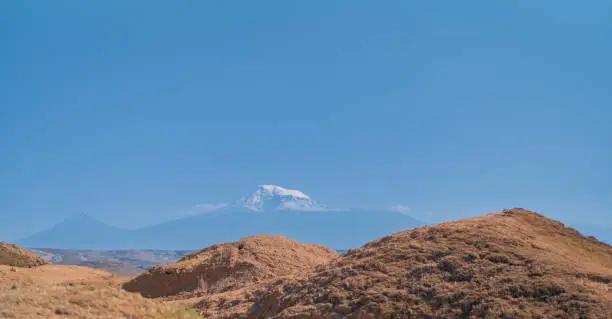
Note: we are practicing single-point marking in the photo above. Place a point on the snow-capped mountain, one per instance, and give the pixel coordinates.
(270, 209)
(276, 198)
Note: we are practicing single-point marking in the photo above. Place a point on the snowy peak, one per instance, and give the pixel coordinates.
(276, 198)
(279, 191)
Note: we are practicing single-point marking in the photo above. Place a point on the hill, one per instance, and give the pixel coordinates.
(58, 291)
(13, 255)
(513, 264)
(229, 271)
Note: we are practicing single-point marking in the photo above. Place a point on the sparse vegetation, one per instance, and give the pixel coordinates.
(13, 255)
(55, 291)
(221, 280)
(516, 264)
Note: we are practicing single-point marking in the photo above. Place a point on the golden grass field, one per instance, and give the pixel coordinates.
(58, 291)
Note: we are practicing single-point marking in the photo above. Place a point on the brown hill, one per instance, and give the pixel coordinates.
(59, 291)
(513, 264)
(220, 279)
(13, 255)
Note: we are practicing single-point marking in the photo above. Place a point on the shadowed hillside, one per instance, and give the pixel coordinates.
(514, 264)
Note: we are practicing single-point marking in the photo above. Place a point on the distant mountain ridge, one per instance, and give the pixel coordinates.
(270, 209)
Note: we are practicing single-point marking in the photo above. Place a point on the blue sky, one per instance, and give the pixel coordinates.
(136, 111)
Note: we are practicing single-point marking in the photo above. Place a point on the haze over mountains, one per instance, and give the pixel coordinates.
(269, 209)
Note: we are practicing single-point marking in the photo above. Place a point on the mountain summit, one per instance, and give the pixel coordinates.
(276, 198)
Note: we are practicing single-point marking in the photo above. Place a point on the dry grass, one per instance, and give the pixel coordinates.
(220, 280)
(514, 264)
(13, 255)
(58, 291)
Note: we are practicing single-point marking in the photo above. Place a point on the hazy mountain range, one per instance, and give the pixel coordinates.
(269, 209)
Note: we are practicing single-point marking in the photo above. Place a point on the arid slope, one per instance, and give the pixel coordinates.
(59, 291)
(13, 255)
(513, 264)
(220, 279)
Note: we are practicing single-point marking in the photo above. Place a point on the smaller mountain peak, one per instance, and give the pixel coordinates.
(81, 221)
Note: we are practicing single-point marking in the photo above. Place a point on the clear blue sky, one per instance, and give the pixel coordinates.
(134, 111)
